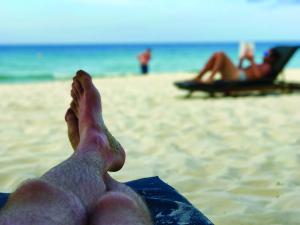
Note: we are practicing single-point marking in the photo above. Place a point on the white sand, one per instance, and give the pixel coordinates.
(235, 159)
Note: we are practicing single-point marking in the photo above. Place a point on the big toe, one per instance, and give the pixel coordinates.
(84, 79)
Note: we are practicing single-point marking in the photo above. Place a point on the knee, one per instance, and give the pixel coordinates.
(32, 189)
(115, 200)
(115, 206)
(36, 191)
(220, 54)
(38, 194)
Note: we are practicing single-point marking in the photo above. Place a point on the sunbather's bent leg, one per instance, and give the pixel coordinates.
(208, 66)
(224, 65)
(220, 62)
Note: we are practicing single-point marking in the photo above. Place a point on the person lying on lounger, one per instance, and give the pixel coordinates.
(220, 63)
(79, 190)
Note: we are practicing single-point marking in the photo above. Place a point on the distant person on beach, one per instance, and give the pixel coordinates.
(221, 63)
(79, 190)
(144, 59)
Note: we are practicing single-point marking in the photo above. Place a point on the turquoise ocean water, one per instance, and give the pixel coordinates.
(20, 63)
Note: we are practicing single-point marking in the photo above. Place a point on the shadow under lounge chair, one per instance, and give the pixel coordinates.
(166, 205)
(267, 84)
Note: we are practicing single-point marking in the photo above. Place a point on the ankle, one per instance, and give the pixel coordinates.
(93, 139)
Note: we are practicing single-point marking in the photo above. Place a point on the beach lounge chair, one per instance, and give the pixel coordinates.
(166, 205)
(267, 84)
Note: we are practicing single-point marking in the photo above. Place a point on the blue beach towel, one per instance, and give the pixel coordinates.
(166, 205)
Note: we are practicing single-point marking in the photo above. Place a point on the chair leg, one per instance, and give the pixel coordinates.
(227, 94)
(189, 94)
(212, 94)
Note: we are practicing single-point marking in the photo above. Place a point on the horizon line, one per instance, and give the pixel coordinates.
(144, 43)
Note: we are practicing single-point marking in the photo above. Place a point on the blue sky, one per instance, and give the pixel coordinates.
(122, 21)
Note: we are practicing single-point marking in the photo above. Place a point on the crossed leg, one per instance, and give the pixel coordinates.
(79, 190)
(119, 204)
(219, 62)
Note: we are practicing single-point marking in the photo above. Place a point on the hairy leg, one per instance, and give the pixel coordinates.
(39, 203)
(69, 192)
(119, 202)
(71, 188)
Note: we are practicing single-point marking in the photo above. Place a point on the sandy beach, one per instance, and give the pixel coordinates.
(236, 159)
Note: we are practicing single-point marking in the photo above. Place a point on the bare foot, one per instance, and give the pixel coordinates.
(209, 80)
(198, 80)
(73, 129)
(93, 134)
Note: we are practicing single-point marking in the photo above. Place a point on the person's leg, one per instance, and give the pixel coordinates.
(39, 203)
(144, 69)
(73, 129)
(120, 201)
(225, 66)
(69, 192)
(119, 204)
(208, 66)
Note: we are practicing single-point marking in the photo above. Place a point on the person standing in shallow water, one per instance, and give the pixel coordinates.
(144, 59)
